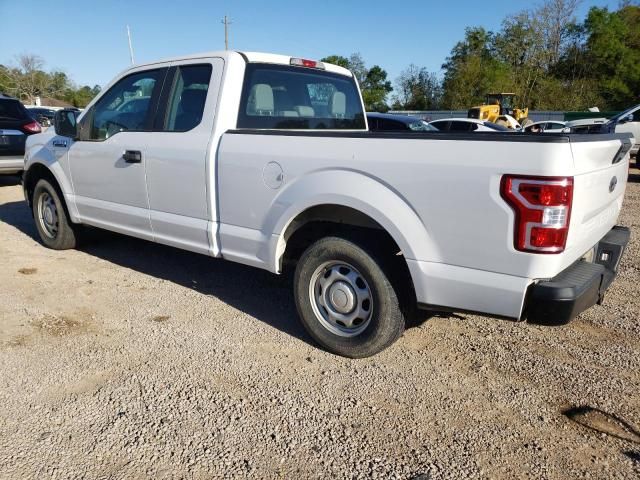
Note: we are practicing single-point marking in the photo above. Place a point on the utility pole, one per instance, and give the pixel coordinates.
(130, 47)
(226, 23)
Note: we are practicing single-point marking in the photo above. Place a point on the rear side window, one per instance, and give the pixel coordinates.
(12, 110)
(392, 125)
(462, 127)
(187, 98)
(442, 126)
(283, 97)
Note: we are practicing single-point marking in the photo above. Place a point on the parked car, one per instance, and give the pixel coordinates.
(265, 160)
(586, 125)
(627, 121)
(16, 124)
(387, 122)
(549, 126)
(44, 116)
(467, 125)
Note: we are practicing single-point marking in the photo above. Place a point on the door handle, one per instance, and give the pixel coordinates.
(59, 143)
(132, 156)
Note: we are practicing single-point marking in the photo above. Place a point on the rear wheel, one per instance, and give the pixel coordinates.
(345, 299)
(54, 228)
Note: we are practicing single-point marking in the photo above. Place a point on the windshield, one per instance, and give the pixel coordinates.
(624, 114)
(422, 126)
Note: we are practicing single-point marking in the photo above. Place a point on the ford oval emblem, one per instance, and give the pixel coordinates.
(612, 184)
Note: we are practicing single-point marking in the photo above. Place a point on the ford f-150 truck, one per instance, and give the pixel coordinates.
(266, 160)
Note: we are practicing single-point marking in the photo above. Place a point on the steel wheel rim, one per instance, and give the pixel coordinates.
(341, 298)
(48, 215)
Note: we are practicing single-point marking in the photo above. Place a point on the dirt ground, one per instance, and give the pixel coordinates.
(126, 359)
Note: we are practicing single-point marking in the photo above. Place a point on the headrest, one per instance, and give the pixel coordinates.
(338, 104)
(260, 99)
(305, 111)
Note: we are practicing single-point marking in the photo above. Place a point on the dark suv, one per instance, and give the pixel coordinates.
(15, 125)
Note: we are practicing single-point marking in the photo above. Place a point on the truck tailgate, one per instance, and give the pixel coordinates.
(601, 170)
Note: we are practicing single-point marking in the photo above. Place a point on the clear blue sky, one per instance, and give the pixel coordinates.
(88, 40)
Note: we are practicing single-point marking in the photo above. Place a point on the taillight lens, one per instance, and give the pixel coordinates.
(542, 207)
(33, 127)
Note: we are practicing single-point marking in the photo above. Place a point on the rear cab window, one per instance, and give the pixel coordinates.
(287, 97)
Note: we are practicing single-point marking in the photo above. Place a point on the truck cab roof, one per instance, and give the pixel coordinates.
(249, 57)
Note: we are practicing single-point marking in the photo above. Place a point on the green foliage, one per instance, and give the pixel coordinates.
(549, 60)
(613, 52)
(28, 80)
(373, 81)
(417, 89)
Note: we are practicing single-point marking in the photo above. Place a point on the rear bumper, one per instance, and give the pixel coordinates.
(11, 164)
(582, 285)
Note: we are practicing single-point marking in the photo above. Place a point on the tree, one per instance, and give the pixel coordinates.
(373, 81)
(28, 80)
(375, 89)
(613, 53)
(549, 59)
(473, 69)
(417, 89)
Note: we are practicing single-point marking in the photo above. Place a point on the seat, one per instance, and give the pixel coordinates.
(304, 111)
(191, 108)
(338, 105)
(260, 100)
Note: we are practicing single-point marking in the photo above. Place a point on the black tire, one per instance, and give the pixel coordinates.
(385, 323)
(54, 227)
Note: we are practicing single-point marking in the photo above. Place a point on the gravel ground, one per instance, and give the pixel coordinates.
(126, 359)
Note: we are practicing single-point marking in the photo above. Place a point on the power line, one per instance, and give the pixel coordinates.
(226, 23)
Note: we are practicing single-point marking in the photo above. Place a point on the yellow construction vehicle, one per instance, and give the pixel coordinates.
(498, 105)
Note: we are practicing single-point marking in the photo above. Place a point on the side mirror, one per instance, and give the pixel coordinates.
(65, 123)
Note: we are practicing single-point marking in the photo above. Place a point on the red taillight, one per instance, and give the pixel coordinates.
(33, 127)
(543, 209)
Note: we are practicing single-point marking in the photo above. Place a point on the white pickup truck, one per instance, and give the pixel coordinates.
(266, 160)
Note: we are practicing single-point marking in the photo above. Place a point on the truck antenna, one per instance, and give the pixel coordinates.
(130, 46)
(226, 23)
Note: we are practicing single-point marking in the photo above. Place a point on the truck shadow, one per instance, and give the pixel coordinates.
(256, 292)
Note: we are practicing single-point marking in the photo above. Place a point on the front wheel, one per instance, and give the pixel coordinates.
(53, 225)
(345, 299)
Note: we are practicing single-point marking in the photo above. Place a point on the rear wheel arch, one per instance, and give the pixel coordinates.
(332, 220)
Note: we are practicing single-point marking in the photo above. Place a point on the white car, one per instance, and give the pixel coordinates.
(466, 125)
(627, 121)
(548, 126)
(267, 160)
